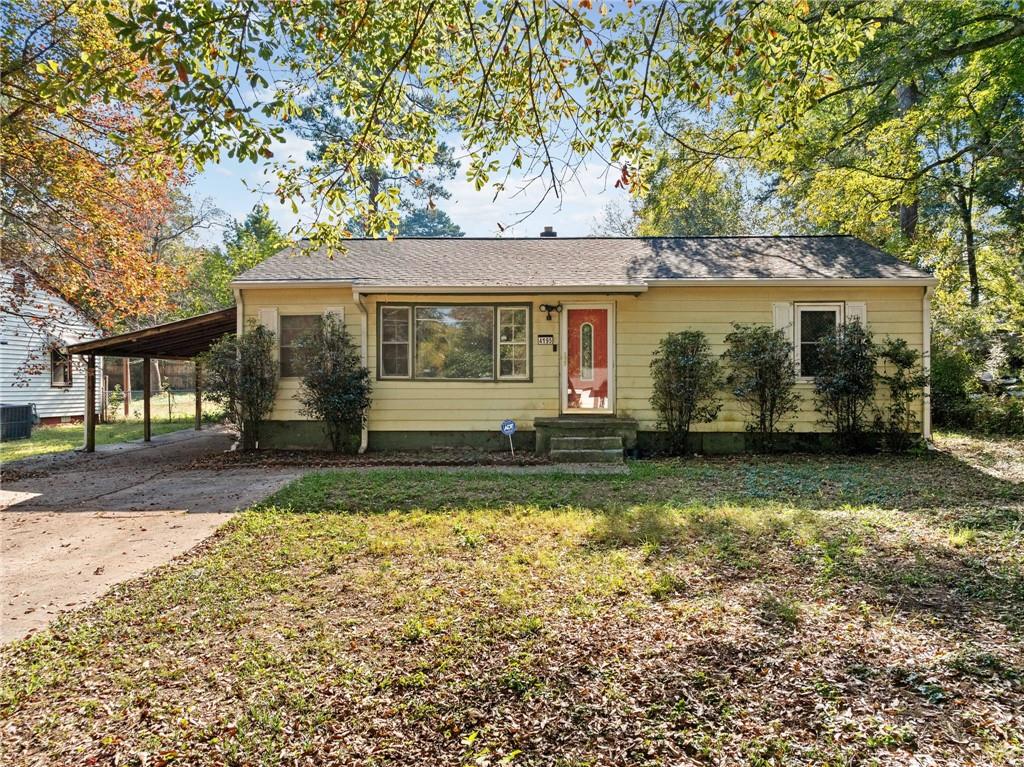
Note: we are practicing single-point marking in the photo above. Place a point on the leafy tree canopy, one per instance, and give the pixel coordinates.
(86, 186)
(246, 244)
(428, 222)
(529, 87)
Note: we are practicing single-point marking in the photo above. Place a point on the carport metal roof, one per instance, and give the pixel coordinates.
(178, 340)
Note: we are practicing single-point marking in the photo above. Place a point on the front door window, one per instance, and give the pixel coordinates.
(587, 368)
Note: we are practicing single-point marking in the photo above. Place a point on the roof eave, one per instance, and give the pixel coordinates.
(794, 281)
(372, 288)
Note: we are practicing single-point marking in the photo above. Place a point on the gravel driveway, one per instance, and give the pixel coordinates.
(74, 524)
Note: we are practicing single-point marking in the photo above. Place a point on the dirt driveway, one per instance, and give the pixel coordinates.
(73, 525)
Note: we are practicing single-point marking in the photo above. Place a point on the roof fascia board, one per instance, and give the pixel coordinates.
(794, 281)
(498, 290)
(370, 289)
(373, 289)
(291, 283)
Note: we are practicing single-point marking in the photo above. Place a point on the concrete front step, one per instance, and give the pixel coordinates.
(584, 455)
(586, 443)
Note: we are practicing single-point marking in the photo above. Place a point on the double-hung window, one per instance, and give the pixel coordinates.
(293, 328)
(513, 342)
(454, 342)
(813, 322)
(395, 344)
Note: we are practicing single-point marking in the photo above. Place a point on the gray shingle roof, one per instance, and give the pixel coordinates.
(582, 261)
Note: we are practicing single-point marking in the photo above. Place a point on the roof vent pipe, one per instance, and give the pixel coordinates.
(549, 231)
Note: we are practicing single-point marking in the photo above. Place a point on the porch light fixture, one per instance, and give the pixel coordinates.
(551, 308)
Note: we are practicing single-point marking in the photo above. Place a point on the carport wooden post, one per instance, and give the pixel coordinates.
(147, 371)
(199, 397)
(90, 404)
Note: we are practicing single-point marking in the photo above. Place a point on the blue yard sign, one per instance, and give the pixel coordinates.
(508, 428)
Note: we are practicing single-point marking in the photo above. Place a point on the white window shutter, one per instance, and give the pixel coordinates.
(782, 317)
(857, 310)
(268, 318)
(337, 311)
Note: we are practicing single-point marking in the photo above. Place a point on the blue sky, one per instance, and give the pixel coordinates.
(234, 188)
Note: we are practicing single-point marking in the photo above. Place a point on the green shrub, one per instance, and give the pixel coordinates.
(686, 380)
(905, 379)
(1002, 417)
(240, 373)
(845, 387)
(335, 387)
(762, 377)
(952, 383)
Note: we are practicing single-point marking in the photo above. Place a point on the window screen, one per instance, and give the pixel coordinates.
(394, 341)
(513, 343)
(294, 327)
(815, 324)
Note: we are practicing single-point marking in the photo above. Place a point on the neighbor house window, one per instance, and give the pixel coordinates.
(394, 341)
(294, 327)
(513, 342)
(454, 342)
(60, 368)
(813, 323)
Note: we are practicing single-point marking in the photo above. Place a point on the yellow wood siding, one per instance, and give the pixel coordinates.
(299, 300)
(641, 321)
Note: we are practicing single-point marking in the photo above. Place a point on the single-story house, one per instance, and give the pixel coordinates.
(557, 333)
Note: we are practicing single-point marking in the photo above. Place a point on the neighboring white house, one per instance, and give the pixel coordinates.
(36, 325)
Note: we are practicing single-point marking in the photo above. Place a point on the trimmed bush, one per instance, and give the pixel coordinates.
(686, 381)
(240, 373)
(335, 387)
(845, 387)
(762, 377)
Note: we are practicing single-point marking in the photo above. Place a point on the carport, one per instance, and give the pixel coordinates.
(178, 340)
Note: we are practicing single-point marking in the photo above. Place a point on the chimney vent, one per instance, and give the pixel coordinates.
(549, 231)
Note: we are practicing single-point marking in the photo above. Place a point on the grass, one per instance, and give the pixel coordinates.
(744, 611)
(59, 438)
(56, 439)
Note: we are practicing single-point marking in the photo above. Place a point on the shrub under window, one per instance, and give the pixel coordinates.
(241, 374)
(335, 387)
(845, 384)
(762, 377)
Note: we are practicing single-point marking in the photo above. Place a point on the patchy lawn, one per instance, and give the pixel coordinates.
(57, 439)
(754, 611)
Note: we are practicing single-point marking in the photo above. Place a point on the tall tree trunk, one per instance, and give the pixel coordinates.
(909, 95)
(965, 204)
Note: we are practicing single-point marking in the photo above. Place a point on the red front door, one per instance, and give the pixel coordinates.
(587, 373)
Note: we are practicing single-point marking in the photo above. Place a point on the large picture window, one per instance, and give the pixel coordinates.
(813, 323)
(455, 342)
